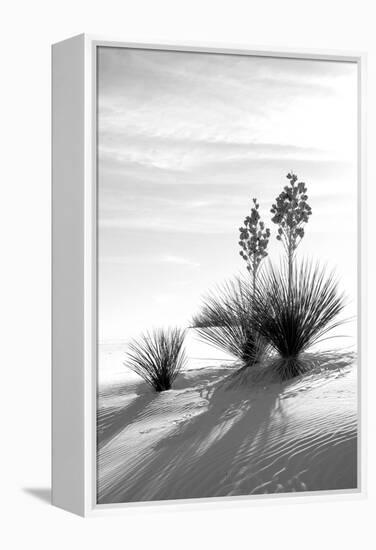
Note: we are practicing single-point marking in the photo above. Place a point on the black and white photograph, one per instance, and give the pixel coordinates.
(188, 260)
(227, 273)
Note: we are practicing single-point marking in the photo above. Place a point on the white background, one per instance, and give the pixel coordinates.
(27, 30)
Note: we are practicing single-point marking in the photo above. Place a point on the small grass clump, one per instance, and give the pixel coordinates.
(158, 357)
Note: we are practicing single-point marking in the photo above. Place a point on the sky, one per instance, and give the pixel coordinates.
(185, 141)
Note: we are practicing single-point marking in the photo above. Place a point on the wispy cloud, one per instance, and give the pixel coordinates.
(178, 110)
(168, 225)
(183, 154)
(129, 260)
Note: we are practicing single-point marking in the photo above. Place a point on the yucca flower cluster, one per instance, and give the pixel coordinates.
(290, 212)
(254, 240)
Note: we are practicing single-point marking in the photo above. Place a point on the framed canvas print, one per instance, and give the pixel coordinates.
(208, 294)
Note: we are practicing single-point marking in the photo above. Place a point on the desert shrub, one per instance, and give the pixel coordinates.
(294, 308)
(158, 357)
(225, 322)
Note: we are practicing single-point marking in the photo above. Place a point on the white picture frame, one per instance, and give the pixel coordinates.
(74, 270)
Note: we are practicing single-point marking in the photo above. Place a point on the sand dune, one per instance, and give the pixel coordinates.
(220, 433)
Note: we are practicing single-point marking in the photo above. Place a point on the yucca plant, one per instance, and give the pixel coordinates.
(225, 322)
(158, 357)
(294, 308)
(225, 319)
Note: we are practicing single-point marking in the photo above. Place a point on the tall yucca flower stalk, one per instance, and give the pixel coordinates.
(158, 357)
(294, 309)
(254, 239)
(291, 212)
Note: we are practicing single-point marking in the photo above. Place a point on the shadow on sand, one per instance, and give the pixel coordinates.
(197, 448)
(201, 377)
(111, 420)
(228, 441)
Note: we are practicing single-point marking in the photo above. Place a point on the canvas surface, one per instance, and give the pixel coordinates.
(227, 326)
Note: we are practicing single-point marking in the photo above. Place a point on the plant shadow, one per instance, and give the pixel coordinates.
(218, 441)
(112, 420)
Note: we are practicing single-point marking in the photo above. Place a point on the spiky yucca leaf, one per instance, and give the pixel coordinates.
(225, 322)
(293, 314)
(158, 357)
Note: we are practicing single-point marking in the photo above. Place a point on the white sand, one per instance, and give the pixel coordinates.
(216, 435)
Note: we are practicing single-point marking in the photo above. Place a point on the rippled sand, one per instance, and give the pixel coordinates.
(222, 433)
